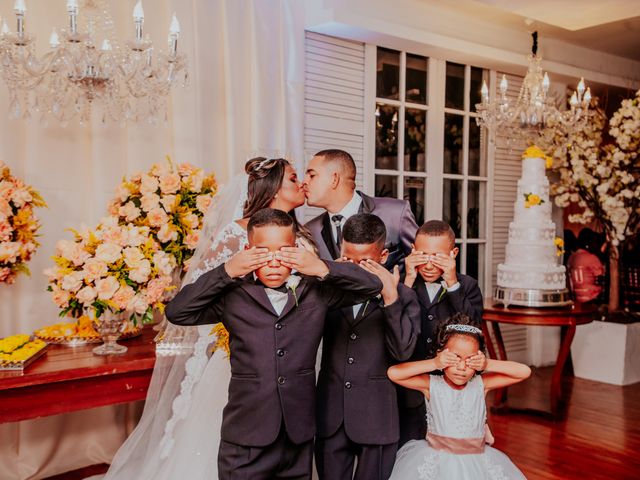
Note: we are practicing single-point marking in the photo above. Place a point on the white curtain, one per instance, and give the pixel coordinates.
(245, 98)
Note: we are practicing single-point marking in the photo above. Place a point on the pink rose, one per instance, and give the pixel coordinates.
(195, 181)
(108, 252)
(138, 304)
(136, 236)
(60, 297)
(9, 251)
(148, 185)
(52, 274)
(86, 295)
(77, 254)
(186, 169)
(149, 201)
(129, 211)
(106, 287)
(203, 202)
(191, 240)
(21, 196)
(94, 269)
(123, 296)
(190, 220)
(156, 288)
(113, 207)
(122, 192)
(169, 203)
(6, 189)
(157, 217)
(5, 208)
(170, 183)
(167, 233)
(6, 230)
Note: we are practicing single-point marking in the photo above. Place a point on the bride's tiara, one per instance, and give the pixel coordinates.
(262, 163)
(464, 328)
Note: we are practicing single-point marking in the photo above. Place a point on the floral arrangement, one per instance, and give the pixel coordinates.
(18, 225)
(170, 200)
(536, 152)
(601, 175)
(115, 267)
(559, 243)
(531, 200)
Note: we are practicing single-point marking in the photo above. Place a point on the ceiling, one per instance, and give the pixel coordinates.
(611, 26)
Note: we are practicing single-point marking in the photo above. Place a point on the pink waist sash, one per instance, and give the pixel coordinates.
(460, 446)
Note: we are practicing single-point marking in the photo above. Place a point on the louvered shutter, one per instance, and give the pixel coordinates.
(334, 99)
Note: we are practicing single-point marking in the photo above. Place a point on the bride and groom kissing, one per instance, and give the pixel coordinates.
(273, 410)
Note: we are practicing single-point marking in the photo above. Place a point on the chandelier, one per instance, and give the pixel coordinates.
(534, 109)
(87, 69)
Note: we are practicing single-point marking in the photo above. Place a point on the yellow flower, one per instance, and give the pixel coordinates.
(222, 338)
(559, 243)
(531, 199)
(536, 152)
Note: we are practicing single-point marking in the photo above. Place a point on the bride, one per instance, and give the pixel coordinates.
(179, 432)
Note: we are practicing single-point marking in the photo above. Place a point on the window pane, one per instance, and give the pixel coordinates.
(454, 90)
(477, 137)
(387, 137)
(476, 86)
(416, 83)
(476, 212)
(415, 132)
(388, 74)
(452, 204)
(386, 186)
(453, 143)
(414, 193)
(475, 262)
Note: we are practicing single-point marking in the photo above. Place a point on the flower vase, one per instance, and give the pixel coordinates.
(110, 326)
(159, 319)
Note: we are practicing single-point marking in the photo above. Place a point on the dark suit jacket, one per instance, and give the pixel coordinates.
(397, 217)
(272, 356)
(359, 351)
(467, 299)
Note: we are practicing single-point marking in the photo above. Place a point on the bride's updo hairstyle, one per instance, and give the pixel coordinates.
(459, 324)
(265, 180)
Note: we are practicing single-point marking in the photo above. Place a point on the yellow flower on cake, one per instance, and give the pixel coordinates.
(536, 152)
(531, 200)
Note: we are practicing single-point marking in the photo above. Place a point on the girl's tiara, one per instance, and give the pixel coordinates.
(464, 328)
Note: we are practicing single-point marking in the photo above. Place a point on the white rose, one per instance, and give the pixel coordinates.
(72, 281)
(108, 252)
(106, 287)
(190, 220)
(137, 236)
(138, 304)
(163, 262)
(132, 257)
(157, 217)
(203, 202)
(170, 183)
(86, 295)
(141, 273)
(129, 211)
(169, 203)
(94, 269)
(20, 197)
(148, 185)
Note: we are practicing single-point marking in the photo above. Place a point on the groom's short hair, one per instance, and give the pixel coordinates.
(365, 228)
(270, 217)
(342, 159)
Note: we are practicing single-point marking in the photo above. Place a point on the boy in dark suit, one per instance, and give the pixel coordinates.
(356, 403)
(442, 292)
(275, 322)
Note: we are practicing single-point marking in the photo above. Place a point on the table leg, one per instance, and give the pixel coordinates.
(556, 380)
(500, 395)
(488, 340)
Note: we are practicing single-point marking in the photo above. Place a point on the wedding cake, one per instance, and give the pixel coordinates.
(531, 274)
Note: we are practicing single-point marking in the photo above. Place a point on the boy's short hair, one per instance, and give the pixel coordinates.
(365, 228)
(437, 228)
(270, 217)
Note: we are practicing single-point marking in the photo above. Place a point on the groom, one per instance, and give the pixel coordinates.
(330, 183)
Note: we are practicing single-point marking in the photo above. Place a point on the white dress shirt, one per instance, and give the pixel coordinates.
(434, 288)
(278, 299)
(347, 211)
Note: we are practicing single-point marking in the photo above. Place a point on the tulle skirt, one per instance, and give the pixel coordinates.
(417, 460)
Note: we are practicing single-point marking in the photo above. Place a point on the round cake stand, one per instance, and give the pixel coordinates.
(524, 297)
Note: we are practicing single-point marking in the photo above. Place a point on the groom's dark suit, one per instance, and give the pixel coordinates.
(272, 387)
(396, 216)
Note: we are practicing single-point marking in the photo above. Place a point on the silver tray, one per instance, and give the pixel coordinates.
(532, 297)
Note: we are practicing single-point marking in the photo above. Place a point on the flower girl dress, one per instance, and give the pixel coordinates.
(455, 447)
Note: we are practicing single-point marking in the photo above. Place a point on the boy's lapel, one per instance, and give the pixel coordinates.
(365, 310)
(257, 293)
(291, 301)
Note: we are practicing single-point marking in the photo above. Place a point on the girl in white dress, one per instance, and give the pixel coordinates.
(456, 444)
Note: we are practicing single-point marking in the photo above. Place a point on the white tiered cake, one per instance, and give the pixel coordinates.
(531, 274)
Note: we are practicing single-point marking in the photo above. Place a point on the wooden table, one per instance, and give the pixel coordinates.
(566, 318)
(67, 379)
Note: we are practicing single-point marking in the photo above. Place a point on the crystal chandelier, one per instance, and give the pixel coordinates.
(533, 110)
(121, 83)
